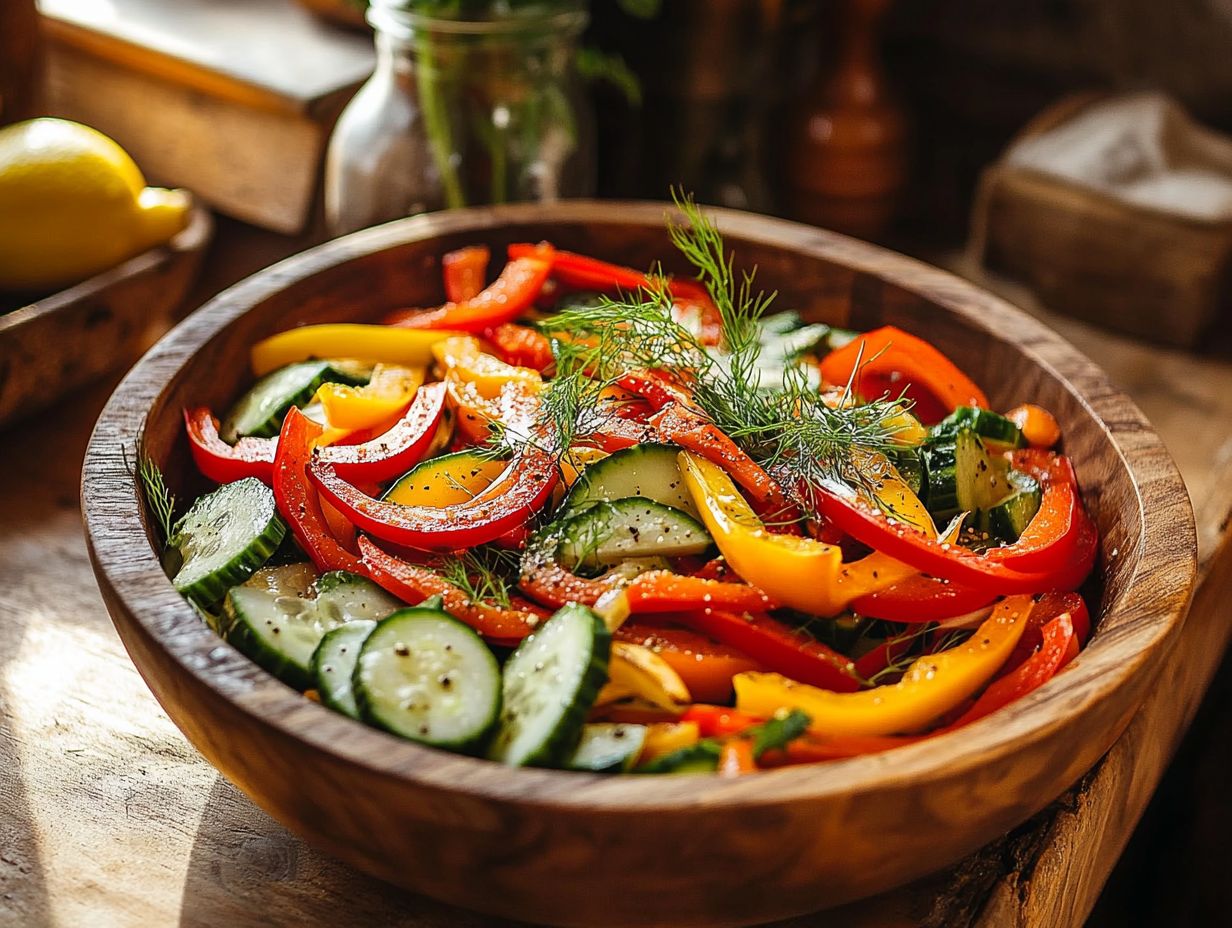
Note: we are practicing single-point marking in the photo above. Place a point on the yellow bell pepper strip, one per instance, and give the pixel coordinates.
(576, 460)
(637, 673)
(803, 573)
(665, 737)
(463, 357)
(932, 686)
(376, 344)
(385, 396)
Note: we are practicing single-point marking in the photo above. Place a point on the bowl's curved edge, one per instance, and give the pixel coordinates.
(125, 564)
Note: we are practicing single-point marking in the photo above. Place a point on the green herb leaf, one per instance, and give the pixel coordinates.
(777, 733)
(160, 499)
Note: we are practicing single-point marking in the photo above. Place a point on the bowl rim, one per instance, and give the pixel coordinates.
(127, 567)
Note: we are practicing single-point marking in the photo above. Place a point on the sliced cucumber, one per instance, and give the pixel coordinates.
(608, 747)
(628, 528)
(981, 477)
(260, 411)
(425, 676)
(1007, 519)
(223, 538)
(451, 478)
(549, 684)
(279, 624)
(702, 757)
(912, 467)
(648, 471)
(333, 663)
(992, 428)
(941, 497)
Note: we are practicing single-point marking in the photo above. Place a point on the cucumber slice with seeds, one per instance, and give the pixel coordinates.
(333, 663)
(646, 471)
(279, 624)
(629, 528)
(260, 411)
(223, 538)
(608, 747)
(1007, 519)
(549, 684)
(425, 676)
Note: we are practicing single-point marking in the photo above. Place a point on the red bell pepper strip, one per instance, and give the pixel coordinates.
(511, 294)
(515, 496)
(779, 647)
(413, 583)
(1034, 672)
(397, 450)
(719, 721)
(297, 500)
(585, 273)
(223, 463)
(1049, 607)
(879, 658)
(1051, 539)
(689, 429)
(613, 433)
(377, 459)
(464, 271)
(922, 598)
(928, 555)
(521, 346)
(908, 363)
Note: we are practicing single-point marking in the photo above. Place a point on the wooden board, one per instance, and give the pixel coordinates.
(107, 816)
(71, 337)
(234, 101)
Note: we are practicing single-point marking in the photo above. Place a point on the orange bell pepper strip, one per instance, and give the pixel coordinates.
(705, 665)
(463, 358)
(510, 295)
(464, 271)
(1039, 427)
(891, 356)
(933, 685)
(736, 758)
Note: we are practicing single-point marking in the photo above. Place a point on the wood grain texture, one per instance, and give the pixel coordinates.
(573, 849)
(69, 338)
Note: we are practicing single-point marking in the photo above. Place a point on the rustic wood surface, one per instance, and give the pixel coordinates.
(108, 321)
(108, 817)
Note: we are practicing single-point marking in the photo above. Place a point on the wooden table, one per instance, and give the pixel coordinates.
(108, 817)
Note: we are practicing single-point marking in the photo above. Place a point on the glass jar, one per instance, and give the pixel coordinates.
(461, 112)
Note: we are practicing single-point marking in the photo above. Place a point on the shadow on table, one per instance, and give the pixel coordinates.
(247, 870)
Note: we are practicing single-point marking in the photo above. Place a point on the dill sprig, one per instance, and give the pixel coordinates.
(483, 573)
(798, 434)
(157, 496)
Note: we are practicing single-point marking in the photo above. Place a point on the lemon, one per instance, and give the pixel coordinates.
(73, 203)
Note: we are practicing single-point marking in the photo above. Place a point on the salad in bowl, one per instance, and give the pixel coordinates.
(590, 517)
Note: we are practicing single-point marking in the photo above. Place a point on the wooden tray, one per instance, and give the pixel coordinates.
(69, 338)
(586, 850)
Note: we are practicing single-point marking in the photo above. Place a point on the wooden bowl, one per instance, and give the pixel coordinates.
(578, 849)
(67, 339)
